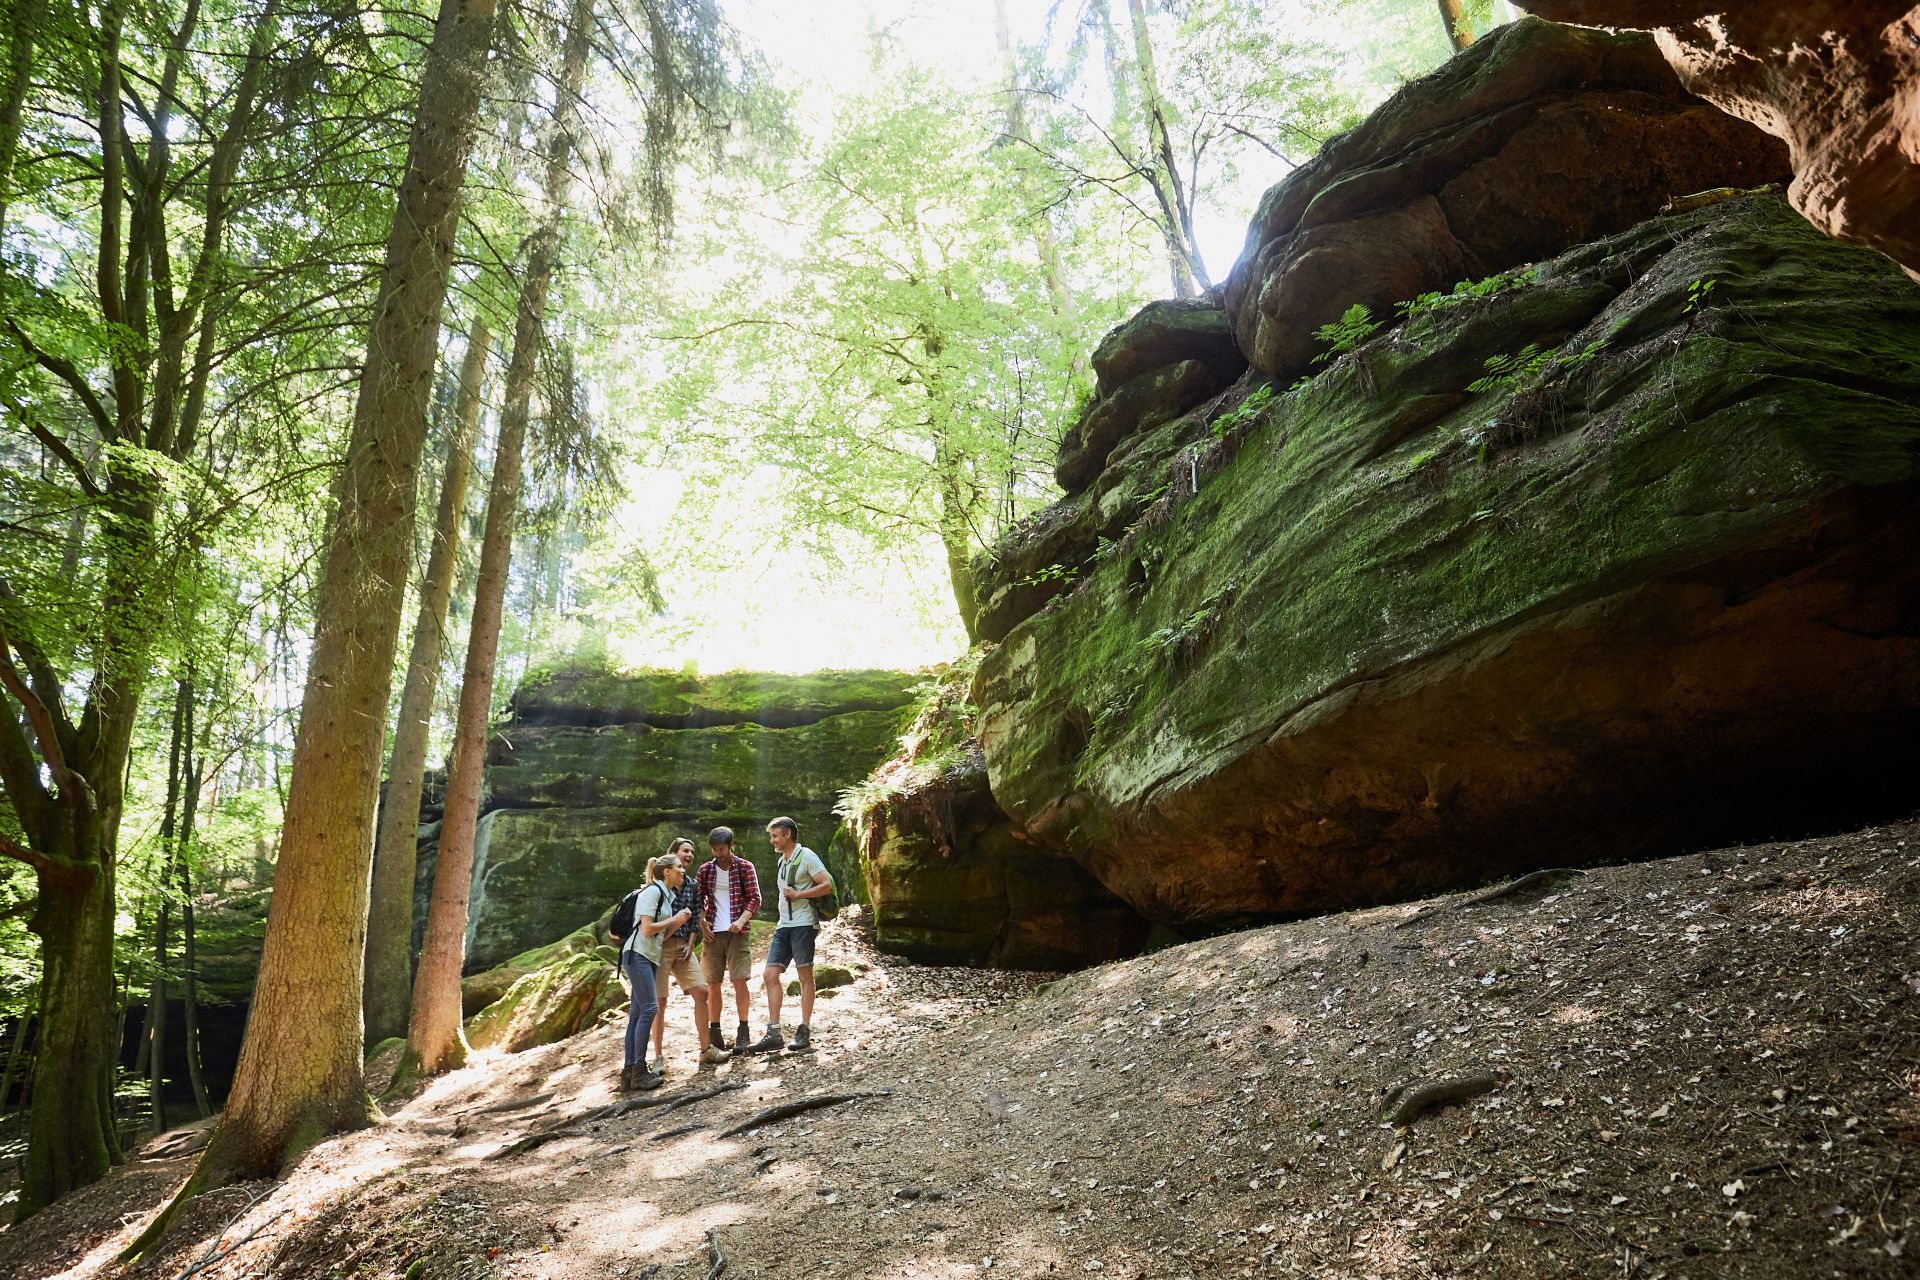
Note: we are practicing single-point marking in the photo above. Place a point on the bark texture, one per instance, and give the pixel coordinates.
(299, 1073)
(435, 1041)
(389, 976)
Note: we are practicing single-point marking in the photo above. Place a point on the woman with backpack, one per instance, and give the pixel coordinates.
(640, 960)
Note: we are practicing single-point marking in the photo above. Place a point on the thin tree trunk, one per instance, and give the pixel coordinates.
(389, 978)
(155, 1037)
(1183, 258)
(22, 1026)
(1046, 244)
(435, 1040)
(299, 1076)
(22, 18)
(1453, 14)
(189, 975)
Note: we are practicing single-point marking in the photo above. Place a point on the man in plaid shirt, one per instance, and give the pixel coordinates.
(729, 890)
(677, 963)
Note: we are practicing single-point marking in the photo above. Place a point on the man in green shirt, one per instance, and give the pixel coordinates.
(802, 877)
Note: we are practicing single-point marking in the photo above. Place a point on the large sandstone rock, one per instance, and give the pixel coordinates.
(549, 1004)
(1165, 361)
(953, 881)
(596, 772)
(1649, 580)
(1839, 80)
(1538, 138)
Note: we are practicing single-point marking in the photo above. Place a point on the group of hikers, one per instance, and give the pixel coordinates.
(680, 913)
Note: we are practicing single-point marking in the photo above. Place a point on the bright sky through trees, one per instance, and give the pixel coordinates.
(746, 585)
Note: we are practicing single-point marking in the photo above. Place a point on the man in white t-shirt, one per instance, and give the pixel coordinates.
(802, 877)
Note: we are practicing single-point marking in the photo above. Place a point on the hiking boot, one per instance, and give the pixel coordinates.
(742, 1037)
(626, 1084)
(659, 1066)
(714, 1037)
(645, 1079)
(772, 1042)
(713, 1055)
(802, 1038)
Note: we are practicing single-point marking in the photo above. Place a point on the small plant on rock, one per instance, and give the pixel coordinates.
(1355, 325)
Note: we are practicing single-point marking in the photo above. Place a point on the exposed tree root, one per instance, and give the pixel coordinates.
(1526, 881)
(716, 1257)
(1410, 1101)
(574, 1126)
(800, 1106)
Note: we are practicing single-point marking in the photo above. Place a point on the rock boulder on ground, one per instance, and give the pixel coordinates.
(1613, 555)
(954, 882)
(549, 1004)
(1538, 138)
(1839, 80)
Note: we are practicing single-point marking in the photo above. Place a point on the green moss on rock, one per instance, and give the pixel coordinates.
(1408, 632)
(548, 1005)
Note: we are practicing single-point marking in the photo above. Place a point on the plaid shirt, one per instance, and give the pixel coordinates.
(743, 889)
(686, 898)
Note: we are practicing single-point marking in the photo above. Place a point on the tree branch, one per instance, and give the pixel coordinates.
(56, 446)
(51, 865)
(64, 370)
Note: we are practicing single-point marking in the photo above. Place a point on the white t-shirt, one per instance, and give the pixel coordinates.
(798, 869)
(722, 900)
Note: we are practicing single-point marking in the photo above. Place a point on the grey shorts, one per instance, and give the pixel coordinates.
(791, 945)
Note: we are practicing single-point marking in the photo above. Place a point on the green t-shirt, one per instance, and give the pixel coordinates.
(797, 870)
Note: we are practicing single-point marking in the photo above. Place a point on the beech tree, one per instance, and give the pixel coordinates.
(116, 383)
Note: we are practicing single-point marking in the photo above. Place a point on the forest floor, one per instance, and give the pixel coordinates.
(1707, 1066)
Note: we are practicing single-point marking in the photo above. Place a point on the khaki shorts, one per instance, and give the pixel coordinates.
(676, 962)
(728, 955)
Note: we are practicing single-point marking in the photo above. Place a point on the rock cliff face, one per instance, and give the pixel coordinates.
(954, 881)
(1537, 138)
(1607, 555)
(594, 773)
(1839, 80)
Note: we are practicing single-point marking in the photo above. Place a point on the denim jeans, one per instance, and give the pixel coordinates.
(641, 1004)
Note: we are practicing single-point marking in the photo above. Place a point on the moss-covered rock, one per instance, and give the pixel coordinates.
(479, 990)
(677, 700)
(599, 771)
(1613, 555)
(547, 1005)
(950, 878)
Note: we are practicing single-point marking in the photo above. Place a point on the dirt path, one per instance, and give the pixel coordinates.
(1708, 1066)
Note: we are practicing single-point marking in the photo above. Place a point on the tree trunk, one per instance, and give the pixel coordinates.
(299, 1075)
(155, 1037)
(189, 974)
(389, 978)
(71, 1140)
(22, 1026)
(1453, 14)
(1176, 211)
(22, 19)
(435, 1040)
(1046, 244)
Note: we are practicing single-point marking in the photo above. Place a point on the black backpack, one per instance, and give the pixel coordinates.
(622, 923)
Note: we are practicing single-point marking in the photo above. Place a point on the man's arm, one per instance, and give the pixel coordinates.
(751, 907)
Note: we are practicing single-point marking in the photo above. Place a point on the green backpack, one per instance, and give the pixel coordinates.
(827, 905)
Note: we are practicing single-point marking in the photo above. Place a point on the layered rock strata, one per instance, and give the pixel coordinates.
(1608, 555)
(954, 881)
(1839, 80)
(1537, 138)
(596, 772)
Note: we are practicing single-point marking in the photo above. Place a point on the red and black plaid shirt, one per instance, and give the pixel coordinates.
(743, 889)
